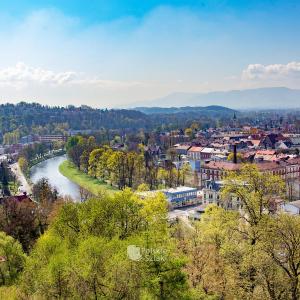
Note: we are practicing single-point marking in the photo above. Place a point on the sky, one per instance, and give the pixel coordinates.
(119, 53)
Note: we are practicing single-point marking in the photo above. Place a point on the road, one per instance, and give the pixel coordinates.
(24, 185)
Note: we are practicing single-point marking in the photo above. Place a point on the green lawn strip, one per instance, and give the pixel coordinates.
(87, 182)
(13, 187)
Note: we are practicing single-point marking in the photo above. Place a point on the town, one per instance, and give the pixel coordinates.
(187, 164)
(150, 150)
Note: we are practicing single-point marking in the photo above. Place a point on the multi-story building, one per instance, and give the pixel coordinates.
(181, 196)
(212, 195)
(194, 153)
(177, 197)
(53, 138)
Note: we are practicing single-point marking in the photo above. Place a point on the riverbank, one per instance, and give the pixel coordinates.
(85, 181)
(50, 155)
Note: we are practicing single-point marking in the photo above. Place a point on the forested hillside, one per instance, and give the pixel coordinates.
(32, 118)
(24, 116)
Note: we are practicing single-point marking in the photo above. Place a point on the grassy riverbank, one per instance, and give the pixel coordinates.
(87, 182)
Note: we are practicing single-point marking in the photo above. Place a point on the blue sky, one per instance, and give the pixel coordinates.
(110, 53)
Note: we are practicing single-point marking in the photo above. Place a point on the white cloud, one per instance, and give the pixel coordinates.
(22, 75)
(272, 72)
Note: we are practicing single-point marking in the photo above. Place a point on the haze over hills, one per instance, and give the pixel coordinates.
(261, 98)
(207, 110)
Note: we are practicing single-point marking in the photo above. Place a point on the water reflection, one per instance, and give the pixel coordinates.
(49, 169)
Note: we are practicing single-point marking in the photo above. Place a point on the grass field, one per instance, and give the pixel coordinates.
(87, 182)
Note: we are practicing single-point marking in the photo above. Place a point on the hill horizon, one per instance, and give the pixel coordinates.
(258, 98)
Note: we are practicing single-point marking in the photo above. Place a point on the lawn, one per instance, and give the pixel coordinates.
(87, 182)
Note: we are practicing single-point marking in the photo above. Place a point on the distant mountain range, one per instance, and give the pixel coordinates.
(207, 110)
(261, 98)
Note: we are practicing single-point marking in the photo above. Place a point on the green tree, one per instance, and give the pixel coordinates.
(12, 259)
(23, 164)
(84, 253)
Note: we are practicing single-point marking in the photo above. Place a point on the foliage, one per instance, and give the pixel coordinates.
(19, 220)
(12, 259)
(23, 164)
(5, 176)
(251, 254)
(239, 157)
(84, 253)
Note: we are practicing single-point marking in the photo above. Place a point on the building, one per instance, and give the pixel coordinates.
(177, 197)
(53, 138)
(182, 196)
(194, 153)
(181, 149)
(28, 139)
(212, 195)
(216, 170)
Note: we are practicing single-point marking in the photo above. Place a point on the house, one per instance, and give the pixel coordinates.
(265, 155)
(181, 149)
(194, 153)
(212, 195)
(270, 140)
(19, 198)
(207, 153)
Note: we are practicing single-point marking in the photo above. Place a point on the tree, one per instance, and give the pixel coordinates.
(256, 191)
(236, 248)
(46, 197)
(19, 220)
(94, 159)
(185, 169)
(5, 175)
(84, 254)
(12, 259)
(239, 156)
(189, 132)
(282, 245)
(23, 164)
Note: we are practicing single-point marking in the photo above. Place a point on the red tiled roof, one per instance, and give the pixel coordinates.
(222, 165)
(264, 166)
(196, 149)
(265, 152)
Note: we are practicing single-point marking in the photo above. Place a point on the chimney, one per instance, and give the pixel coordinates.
(234, 154)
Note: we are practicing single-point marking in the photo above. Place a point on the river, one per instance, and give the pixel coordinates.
(49, 169)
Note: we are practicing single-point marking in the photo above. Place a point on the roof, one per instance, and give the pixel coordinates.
(222, 165)
(180, 189)
(265, 152)
(196, 149)
(255, 142)
(182, 147)
(208, 150)
(230, 166)
(19, 198)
